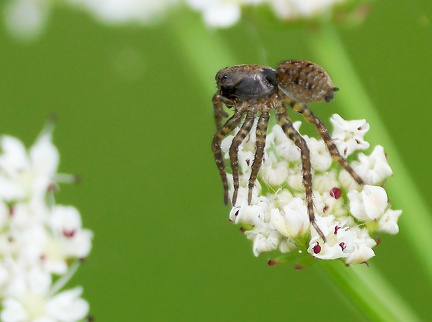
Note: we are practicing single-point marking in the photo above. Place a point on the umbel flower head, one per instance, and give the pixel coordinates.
(225, 13)
(348, 214)
(40, 241)
(27, 18)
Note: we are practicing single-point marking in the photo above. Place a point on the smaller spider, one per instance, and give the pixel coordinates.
(253, 90)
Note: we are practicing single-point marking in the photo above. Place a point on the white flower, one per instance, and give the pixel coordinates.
(27, 175)
(348, 135)
(25, 215)
(284, 146)
(295, 178)
(217, 13)
(25, 19)
(121, 11)
(38, 238)
(293, 220)
(328, 203)
(388, 222)
(321, 159)
(295, 9)
(264, 239)
(361, 247)
(274, 173)
(29, 298)
(369, 204)
(66, 227)
(224, 13)
(281, 198)
(246, 151)
(66, 239)
(53, 245)
(250, 215)
(373, 168)
(324, 182)
(351, 243)
(337, 237)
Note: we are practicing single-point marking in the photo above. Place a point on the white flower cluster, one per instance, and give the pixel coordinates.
(26, 18)
(225, 13)
(41, 243)
(348, 214)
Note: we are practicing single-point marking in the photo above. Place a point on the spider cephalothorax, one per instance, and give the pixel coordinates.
(254, 90)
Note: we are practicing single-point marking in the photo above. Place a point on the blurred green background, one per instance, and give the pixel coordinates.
(135, 122)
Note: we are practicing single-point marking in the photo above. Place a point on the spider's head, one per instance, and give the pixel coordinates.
(304, 81)
(246, 82)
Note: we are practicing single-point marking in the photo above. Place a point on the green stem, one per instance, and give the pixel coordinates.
(415, 221)
(204, 50)
(65, 278)
(370, 292)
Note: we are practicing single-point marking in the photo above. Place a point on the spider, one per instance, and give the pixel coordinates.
(253, 90)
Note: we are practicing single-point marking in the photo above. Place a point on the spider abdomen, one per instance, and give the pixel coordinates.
(304, 81)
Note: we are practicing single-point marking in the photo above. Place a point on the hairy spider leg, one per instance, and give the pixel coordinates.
(221, 133)
(287, 126)
(219, 113)
(233, 151)
(322, 130)
(261, 134)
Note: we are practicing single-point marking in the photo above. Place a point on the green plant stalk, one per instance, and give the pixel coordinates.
(416, 221)
(205, 53)
(204, 50)
(370, 292)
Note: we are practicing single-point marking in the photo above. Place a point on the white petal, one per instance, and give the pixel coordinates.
(80, 245)
(369, 204)
(361, 255)
(348, 135)
(373, 168)
(296, 218)
(375, 201)
(68, 306)
(222, 14)
(120, 11)
(14, 158)
(388, 222)
(320, 157)
(65, 218)
(13, 311)
(10, 191)
(324, 182)
(44, 156)
(264, 239)
(39, 281)
(275, 174)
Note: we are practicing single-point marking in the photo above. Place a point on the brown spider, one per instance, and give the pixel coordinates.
(255, 89)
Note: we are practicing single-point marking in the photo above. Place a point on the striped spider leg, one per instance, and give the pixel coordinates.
(249, 90)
